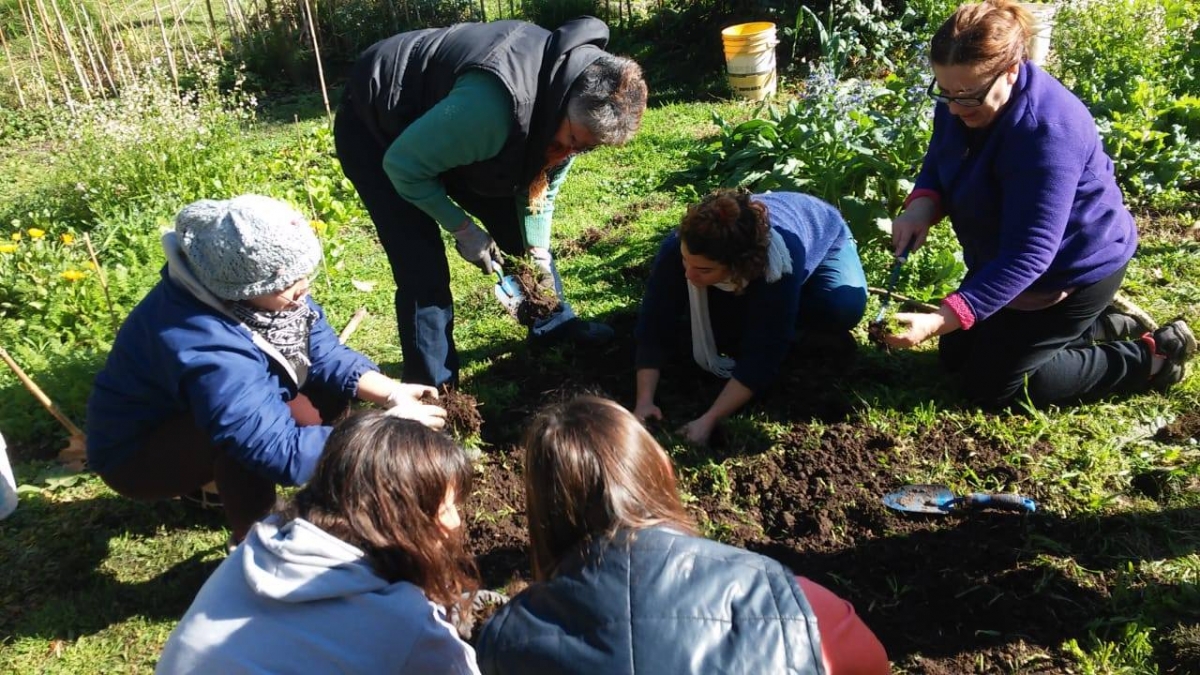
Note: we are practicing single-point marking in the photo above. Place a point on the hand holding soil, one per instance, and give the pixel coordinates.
(537, 288)
(463, 421)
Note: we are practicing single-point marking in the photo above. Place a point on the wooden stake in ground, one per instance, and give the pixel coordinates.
(74, 456)
(312, 30)
(112, 313)
(352, 325)
(12, 68)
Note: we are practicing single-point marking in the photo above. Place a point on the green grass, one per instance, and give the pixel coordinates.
(95, 583)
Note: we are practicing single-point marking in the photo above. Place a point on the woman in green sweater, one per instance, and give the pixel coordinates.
(477, 122)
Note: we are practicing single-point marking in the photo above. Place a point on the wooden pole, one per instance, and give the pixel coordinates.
(352, 325)
(34, 45)
(13, 69)
(62, 79)
(162, 30)
(86, 38)
(112, 313)
(312, 30)
(69, 43)
(91, 33)
(39, 394)
(212, 28)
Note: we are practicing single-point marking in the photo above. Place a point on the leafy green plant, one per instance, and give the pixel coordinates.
(854, 144)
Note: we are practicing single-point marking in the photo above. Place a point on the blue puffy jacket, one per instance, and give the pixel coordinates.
(176, 354)
(658, 602)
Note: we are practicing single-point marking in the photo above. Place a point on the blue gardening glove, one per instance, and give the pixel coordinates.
(477, 247)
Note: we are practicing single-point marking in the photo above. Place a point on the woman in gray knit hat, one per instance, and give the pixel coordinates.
(227, 370)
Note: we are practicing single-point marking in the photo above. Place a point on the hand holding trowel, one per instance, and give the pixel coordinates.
(507, 289)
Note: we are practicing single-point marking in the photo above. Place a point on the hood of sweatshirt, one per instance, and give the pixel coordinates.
(299, 562)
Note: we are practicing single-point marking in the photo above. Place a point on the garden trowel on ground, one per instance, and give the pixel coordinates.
(940, 499)
(507, 290)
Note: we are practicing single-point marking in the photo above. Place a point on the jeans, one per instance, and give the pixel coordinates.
(413, 243)
(1049, 350)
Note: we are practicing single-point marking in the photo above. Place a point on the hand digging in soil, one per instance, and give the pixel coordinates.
(463, 421)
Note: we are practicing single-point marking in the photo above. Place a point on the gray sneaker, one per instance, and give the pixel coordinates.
(1175, 342)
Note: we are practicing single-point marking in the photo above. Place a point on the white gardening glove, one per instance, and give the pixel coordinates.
(543, 276)
(477, 247)
(405, 401)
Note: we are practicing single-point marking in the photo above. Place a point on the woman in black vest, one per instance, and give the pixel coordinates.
(447, 126)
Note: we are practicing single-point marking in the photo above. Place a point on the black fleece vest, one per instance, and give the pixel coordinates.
(398, 79)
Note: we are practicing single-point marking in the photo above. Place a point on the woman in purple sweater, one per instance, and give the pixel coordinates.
(1016, 163)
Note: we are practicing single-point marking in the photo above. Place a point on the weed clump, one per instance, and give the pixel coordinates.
(883, 328)
(538, 302)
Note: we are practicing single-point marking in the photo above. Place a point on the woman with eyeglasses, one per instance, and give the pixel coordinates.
(1017, 165)
(471, 125)
(227, 371)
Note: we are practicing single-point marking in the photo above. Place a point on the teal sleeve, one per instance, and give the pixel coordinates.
(470, 125)
(537, 225)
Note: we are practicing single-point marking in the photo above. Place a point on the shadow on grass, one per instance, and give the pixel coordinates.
(985, 581)
(31, 432)
(58, 580)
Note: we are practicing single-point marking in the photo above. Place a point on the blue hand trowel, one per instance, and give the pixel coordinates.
(940, 499)
(507, 290)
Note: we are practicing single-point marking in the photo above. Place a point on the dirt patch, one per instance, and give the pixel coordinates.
(463, 421)
(537, 303)
(1183, 429)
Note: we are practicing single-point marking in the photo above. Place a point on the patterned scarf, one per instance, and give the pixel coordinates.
(287, 331)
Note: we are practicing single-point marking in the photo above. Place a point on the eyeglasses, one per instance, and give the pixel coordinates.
(578, 148)
(965, 101)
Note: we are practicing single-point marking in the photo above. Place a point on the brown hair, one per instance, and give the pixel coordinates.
(993, 34)
(591, 469)
(730, 228)
(378, 486)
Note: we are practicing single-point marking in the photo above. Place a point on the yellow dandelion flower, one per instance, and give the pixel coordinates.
(319, 226)
(73, 275)
(8, 248)
(16, 236)
(67, 238)
(35, 233)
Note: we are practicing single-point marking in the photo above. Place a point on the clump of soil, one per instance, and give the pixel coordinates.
(463, 420)
(883, 328)
(1182, 429)
(537, 303)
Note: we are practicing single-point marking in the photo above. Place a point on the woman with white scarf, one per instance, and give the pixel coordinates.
(227, 371)
(748, 270)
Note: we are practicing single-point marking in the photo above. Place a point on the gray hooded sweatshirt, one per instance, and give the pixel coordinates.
(293, 598)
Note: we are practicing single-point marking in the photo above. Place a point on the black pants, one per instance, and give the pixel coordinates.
(1052, 349)
(179, 457)
(413, 242)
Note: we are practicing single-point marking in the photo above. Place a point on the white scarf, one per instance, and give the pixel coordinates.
(704, 345)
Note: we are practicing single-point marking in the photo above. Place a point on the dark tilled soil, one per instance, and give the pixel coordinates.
(1184, 428)
(537, 303)
(946, 594)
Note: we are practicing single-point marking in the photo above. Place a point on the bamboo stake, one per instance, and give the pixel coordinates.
(35, 48)
(62, 79)
(13, 69)
(112, 313)
(40, 395)
(80, 74)
(91, 33)
(312, 30)
(162, 29)
(114, 48)
(212, 28)
(1126, 306)
(83, 31)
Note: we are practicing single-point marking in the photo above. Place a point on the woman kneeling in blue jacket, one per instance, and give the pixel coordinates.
(749, 270)
(624, 585)
(227, 369)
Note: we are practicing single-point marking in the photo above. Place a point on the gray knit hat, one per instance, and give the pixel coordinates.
(246, 246)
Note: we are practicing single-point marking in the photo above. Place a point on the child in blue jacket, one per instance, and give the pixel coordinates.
(228, 370)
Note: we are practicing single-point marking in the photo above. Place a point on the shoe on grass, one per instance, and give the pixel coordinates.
(1176, 343)
(577, 332)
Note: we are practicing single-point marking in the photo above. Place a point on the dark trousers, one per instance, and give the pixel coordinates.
(179, 458)
(1051, 349)
(413, 242)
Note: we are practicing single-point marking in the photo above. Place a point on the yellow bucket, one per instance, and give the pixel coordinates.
(750, 59)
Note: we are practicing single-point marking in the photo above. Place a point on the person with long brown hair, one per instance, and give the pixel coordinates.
(623, 583)
(358, 573)
(750, 272)
(1017, 165)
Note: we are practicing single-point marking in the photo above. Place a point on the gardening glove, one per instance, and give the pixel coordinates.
(405, 401)
(543, 270)
(477, 247)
